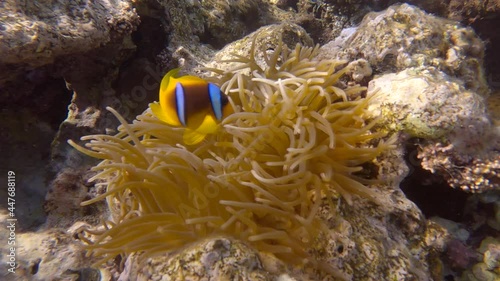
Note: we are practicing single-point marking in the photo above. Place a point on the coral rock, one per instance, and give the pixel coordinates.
(404, 36)
(474, 173)
(33, 35)
(426, 103)
(266, 40)
(44, 255)
(211, 259)
(489, 268)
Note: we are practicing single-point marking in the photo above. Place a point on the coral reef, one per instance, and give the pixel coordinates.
(493, 106)
(437, 96)
(471, 11)
(468, 156)
(197, 28)
(50, 47)
(404, 36)
(245, 15)
(296, 136)
(489, 268)
(43, 255)
(426, 103)
(32, 36)
(216, 259)
(263, 41)
(466, 252)
(461, 133)
(324, 20)
(427, 90)
(90, 55)
(68, 190)
(468, 172)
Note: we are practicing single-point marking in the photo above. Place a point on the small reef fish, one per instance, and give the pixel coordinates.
(193, 103)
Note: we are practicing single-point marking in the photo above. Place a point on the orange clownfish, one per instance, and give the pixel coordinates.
(193, 103)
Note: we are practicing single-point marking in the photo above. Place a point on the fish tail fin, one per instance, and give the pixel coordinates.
(192, 137)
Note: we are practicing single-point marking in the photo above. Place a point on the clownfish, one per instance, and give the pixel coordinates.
(193, 103)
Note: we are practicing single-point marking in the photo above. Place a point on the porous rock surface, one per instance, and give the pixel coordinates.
(199, 28)
(48, 254)
(404, 36)
(265, 39)
(426, 103)
(473, 10)
(430, 84)
(218, 258)
(34, 33)
(461, 136)
(47, 48)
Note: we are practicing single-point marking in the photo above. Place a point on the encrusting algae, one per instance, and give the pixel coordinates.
(296, 136)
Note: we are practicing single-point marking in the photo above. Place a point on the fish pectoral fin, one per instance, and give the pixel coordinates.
(192, 137)
(156, 109)
(160, 113)
(208, 126)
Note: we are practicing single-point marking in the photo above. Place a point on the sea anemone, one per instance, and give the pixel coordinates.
(297, 136)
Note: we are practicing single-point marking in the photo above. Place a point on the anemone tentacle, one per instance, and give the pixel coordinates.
(297, 136)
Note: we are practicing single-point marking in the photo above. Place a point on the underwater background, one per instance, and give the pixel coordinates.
(365, 142)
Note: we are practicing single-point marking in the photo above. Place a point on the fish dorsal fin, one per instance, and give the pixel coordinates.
(166, 79)
(168, 112)
(189, 79)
